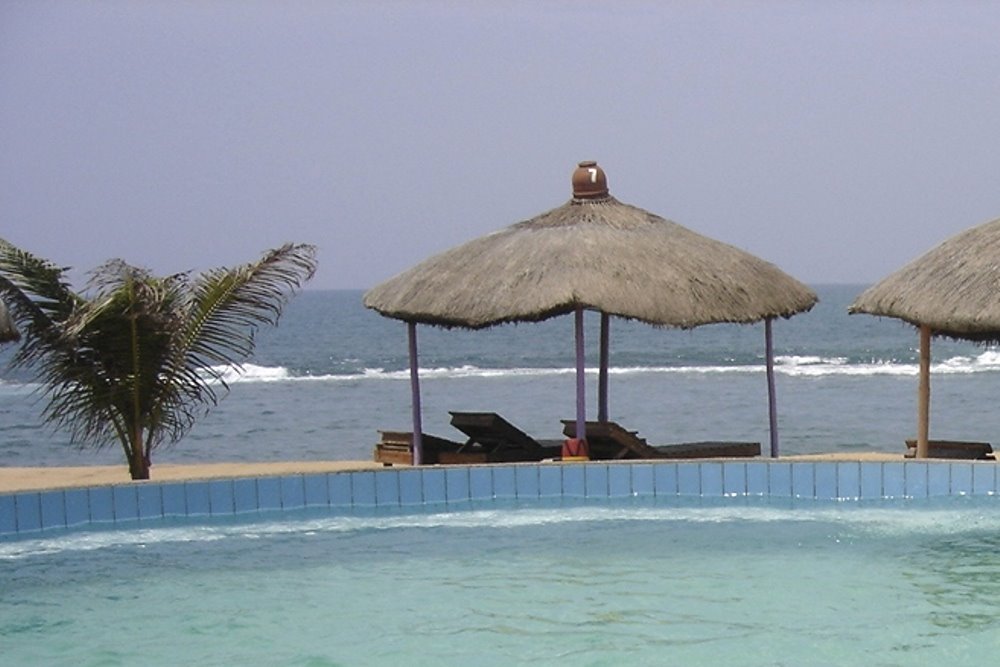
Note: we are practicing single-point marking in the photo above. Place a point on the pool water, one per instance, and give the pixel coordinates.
(722, 582)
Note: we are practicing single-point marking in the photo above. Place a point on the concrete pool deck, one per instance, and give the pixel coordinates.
(15, 479)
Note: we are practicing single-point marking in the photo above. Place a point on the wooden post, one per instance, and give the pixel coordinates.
(924, 393)
(581, 385)
(772, 408)
(602, 377)
(418, 429)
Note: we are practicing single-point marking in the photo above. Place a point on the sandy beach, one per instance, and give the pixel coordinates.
(51, 477)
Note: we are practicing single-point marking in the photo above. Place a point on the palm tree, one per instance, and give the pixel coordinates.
(137, 360)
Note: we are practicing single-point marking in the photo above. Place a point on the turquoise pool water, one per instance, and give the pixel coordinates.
(737, 581)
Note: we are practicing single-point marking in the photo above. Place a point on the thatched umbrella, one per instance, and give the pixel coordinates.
(592, 253)
(8, 330)
(953, 290)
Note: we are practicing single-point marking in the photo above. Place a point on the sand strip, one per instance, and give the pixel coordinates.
(30, 479)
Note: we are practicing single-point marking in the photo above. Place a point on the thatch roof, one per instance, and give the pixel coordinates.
(8, 330)
(600, 254)
(954, 288)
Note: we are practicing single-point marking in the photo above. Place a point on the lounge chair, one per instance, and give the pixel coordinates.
(952, 449)
(491, 438)
(609, 440)
(397, 447)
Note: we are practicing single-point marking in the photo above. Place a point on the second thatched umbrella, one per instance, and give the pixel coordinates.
(952, 290)
(592, 253)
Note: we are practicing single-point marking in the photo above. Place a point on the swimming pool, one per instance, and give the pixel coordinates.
(674, 576)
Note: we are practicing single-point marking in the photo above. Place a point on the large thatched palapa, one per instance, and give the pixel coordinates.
(592, 253)
(952, 290)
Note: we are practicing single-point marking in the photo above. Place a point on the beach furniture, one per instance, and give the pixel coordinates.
(397, 447)
(609, 440)
(492, 439)
(952, 449)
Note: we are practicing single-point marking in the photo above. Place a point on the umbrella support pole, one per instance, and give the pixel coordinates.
(772, 409)
(602, 377)
(576, 449)
(924, 394)
(418, 430)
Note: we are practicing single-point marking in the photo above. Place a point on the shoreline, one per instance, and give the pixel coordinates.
(45, 478)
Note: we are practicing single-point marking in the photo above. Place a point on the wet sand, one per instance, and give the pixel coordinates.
(50, 477)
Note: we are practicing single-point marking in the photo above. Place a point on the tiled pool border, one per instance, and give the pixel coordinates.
(130, 504)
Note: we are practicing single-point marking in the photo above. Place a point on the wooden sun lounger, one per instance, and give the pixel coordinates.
(397, 447)
(952, 449)
(491, 438)
(609, 440)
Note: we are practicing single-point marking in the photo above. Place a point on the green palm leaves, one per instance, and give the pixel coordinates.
(136, 360)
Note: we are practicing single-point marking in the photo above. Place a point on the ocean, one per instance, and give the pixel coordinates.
(332, 374)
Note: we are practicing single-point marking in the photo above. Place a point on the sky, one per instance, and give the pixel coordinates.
(838, 140)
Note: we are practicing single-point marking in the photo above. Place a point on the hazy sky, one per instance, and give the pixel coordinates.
(838, 140)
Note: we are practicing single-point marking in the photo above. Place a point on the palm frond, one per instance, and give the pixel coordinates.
(228, 305)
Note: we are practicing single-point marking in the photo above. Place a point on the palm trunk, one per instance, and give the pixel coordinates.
(138, 458)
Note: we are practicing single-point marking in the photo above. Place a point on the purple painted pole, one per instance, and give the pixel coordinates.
(418, 430)
(602, 377)
(772, 408)
(581, 403)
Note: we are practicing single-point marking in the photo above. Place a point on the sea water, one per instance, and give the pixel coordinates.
(731, 581)
(332, 374)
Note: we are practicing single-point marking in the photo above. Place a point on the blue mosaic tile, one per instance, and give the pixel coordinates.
(101, 506)
(915, 479)
(939, 479)
(871, 480)
(221, 501)
(411, 486)
(339, 486)
(849, 479)
(245, 495)
(53, 506)
(363, 489)
(961, 478)
(293, 492)
(456, 482)
(757, 478)
(174, 499)
(480, 483)
(665, 479)
(526, 482)
(198, 503)
(150, 501)
(780, 480)
(387, 488)
(893, 480)
(688, 479)
(435, 486)
(573, 483)
(77, 507)
(316, 491)
(826, 480)
(984, 478)
(710, 479)
(595, 480)
(550, 481)
(28, 511)
(8, 515)
(643, 480)
(804, 480)
(504, 485)
(734, 478)
(126, 503)
(268, 493)
(619, 480)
